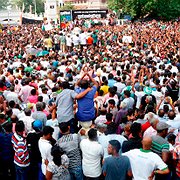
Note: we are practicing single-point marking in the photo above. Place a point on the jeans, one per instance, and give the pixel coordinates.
(8, 165)
(21, 172)
(35, 171)
(40, 174)
(76, 173)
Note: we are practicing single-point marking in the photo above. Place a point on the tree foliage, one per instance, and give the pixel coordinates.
(3, 4)
(67, 6)
(166, 9)
(28, 3)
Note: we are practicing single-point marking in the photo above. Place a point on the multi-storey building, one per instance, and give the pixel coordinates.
(88, 4)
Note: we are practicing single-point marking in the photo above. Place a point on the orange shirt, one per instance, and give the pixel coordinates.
(89, 40)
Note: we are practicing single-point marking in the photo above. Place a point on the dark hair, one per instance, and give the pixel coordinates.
(130, 112)
(9, 112)
(171, 114)
(19, 126)
(150, 108)
(65, 85)
(84, 84)
(109, 116)
(111, 128)
(63, 127)
(110, 76)
(115, 144)
(40, 98)
(171, 137)
(33, 92)
(92, 134)
(47, 130)
(57, 152)
(106, 82)
(161, 113)
(101, 92)
(8, 127)
(141, 114)
(112, 91)
(12, 104)
(127, 93)
(111, 101)
(135, 129)
(166, 108)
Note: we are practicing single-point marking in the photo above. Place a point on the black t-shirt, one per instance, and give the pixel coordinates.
(32, 141)
(173, 93)
(133, 143)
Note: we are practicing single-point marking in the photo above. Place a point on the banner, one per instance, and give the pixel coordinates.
(87, 14)
(65, 18)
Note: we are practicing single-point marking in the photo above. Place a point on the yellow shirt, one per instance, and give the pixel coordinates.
(48, 42)
(105, 88)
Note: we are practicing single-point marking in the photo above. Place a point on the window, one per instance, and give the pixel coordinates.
(52, 7)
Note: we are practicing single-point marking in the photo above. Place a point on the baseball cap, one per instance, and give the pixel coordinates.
(37, 125)
(162, 125)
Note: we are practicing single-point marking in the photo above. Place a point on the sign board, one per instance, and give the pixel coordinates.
(65, 17)
(87, 14)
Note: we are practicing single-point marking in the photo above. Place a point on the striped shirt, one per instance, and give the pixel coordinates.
(159, 145)
(70, 144)
(21, 156)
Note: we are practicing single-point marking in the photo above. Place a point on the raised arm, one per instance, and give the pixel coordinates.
(93, 80)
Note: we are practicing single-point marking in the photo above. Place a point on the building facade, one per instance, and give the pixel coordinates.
(51, 10)
(85, 4)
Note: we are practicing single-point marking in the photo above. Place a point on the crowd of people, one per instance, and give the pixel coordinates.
(82, 103)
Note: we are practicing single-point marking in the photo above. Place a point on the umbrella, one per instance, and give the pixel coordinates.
(32, 51)
(42, 53)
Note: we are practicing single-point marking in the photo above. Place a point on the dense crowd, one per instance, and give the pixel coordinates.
(90, 101)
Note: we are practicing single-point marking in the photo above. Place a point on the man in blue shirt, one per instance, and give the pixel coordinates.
(86, 109)
(116, 167)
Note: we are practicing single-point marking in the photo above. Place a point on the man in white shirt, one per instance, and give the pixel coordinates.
(111, 135)
(12, 96)
(69, 42)
(44, 95)
(28, 120)
(82, 38)
(128, 100)
(76, 41)
(92, 152)
(45, 147)
(144, 162)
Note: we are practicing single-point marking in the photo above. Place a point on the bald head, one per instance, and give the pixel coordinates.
(146, 143)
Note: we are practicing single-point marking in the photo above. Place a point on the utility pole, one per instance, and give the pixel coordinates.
(35, 8)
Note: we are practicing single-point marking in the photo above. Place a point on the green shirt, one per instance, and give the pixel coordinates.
(28, 69)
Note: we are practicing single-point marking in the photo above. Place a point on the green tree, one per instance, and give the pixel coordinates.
(116, 5)
(166, 9)
(67, 6)
(28, 3)
(3, 4)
